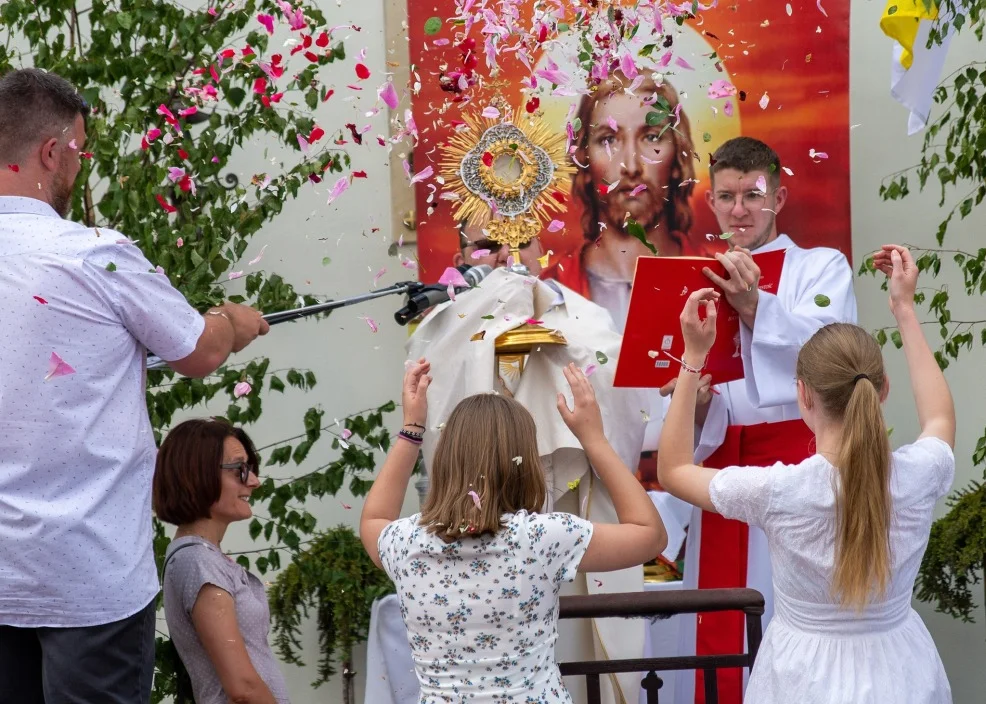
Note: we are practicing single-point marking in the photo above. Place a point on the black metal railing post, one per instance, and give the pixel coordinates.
(650, 604)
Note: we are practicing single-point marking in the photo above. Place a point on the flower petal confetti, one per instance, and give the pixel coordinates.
(58, 367)
(452, 277)
(480, 253)
(475, 499)
(256, 259)
(762, 184)
(555, 226)
(371, 323)
(242, 389)
(40, 300)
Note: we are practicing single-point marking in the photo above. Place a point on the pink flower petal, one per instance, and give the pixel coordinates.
(452, 277)
(242, 389)
(491, 113)
(388, 94)
(764, 101)
(234, 275)
(377, 276)
(267, 21)
(638, 189)
(40, 300)
(590, 370)
(175, 174)
(371, 323)
(346, 433)
(423, 174)
(341, 185)
(762, 184)
(180, 242)
(728, 108)
(627, 66)
(451, 292)
(817, 155)
(304, 144)
(73, 145)
(409, 264)
(57, 367)
(683, 64)
(256, 259)
(480, 253)
(475, 499)
(721, 89)
(612, 123)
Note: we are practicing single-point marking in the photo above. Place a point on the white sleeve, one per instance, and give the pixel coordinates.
(150, 308)
(770, 350)
(742, 493)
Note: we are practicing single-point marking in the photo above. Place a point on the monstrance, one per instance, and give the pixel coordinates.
(508, 178)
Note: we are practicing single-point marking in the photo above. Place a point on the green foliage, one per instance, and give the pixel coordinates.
(954, 156)
(174, 88)
(334, 577)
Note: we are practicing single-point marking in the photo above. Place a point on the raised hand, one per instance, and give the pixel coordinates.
(584, 420)
(744, 276)
(414, 394)
(699, 333)
(898, 264)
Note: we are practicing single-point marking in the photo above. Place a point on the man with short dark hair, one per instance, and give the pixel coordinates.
(755, 420)
(77, 575)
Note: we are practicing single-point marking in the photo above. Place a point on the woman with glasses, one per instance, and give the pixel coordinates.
(217, 612)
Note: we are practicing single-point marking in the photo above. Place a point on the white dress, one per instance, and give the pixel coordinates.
(482, 613)
(814, 650)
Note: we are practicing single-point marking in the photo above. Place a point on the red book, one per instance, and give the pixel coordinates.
(652, 340)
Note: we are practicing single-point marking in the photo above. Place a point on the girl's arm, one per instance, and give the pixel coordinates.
(640, 534)
(676, 469)
(383, 503)
(936, 410)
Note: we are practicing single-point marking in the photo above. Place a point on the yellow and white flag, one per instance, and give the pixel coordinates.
(916, 69)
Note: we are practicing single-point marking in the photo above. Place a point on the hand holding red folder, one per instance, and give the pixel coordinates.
(652, 341)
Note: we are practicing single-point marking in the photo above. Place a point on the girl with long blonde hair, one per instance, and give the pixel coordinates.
(847, 527)
(479, 569)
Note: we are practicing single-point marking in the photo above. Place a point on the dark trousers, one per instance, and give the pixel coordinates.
(108, 664)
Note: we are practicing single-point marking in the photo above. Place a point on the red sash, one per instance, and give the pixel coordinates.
(722, 561)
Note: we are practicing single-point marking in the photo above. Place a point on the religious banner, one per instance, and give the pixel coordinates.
(778, 72)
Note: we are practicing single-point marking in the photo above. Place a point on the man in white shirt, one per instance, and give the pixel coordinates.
(755, 420)
(82, 307)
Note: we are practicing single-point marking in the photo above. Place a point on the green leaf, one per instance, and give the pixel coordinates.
(895, 338)
(635, 229)
(655, 117)
(276, 384)
(562, 27)
(577, 124)
(433, 25)
(601, 358)
(255, 529)
(706, 137)
(235, 96)
(326, 261)
(111, 267)
(822, 301)
(487, 317)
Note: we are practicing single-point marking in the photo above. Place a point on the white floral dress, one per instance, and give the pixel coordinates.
(482, 612)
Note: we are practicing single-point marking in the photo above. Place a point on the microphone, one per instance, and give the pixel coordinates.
(433, 295)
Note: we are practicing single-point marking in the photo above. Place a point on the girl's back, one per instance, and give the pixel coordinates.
(482, 612)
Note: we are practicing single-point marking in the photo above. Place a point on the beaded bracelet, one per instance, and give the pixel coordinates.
(411, 437)
(684, 365)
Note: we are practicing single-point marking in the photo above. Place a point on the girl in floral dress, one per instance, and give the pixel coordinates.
(479, 569)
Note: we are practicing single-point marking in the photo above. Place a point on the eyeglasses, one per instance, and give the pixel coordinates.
(244, 468)
(753, 201)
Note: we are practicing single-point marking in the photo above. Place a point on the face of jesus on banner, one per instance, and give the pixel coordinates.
(651, 166)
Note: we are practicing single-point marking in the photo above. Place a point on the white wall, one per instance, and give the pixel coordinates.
(358, 369)
(880, 146)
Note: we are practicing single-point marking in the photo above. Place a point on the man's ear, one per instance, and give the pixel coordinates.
(48, 154)
(458, 259)
(780, 199)
(710, 200)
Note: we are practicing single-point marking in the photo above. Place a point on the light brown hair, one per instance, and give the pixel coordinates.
(488, 446)
(843, 369)
(187, 476)
(677, 207)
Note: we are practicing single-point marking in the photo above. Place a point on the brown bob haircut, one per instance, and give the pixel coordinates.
(488, 446)
(677, 207)
(187, 477)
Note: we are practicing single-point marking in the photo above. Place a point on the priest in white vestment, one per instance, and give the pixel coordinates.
(462, 366)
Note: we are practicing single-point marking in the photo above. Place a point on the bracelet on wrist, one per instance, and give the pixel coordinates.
(414, 425)
(685, 366)
(413, 438)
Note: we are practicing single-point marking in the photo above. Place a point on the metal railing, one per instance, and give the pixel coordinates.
(664, 604)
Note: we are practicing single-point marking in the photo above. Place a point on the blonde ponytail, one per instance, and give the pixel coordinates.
(843, 368)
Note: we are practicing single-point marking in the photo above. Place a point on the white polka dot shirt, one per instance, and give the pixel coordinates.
(80, 309)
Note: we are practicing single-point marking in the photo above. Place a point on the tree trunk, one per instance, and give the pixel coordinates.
(348, 690)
